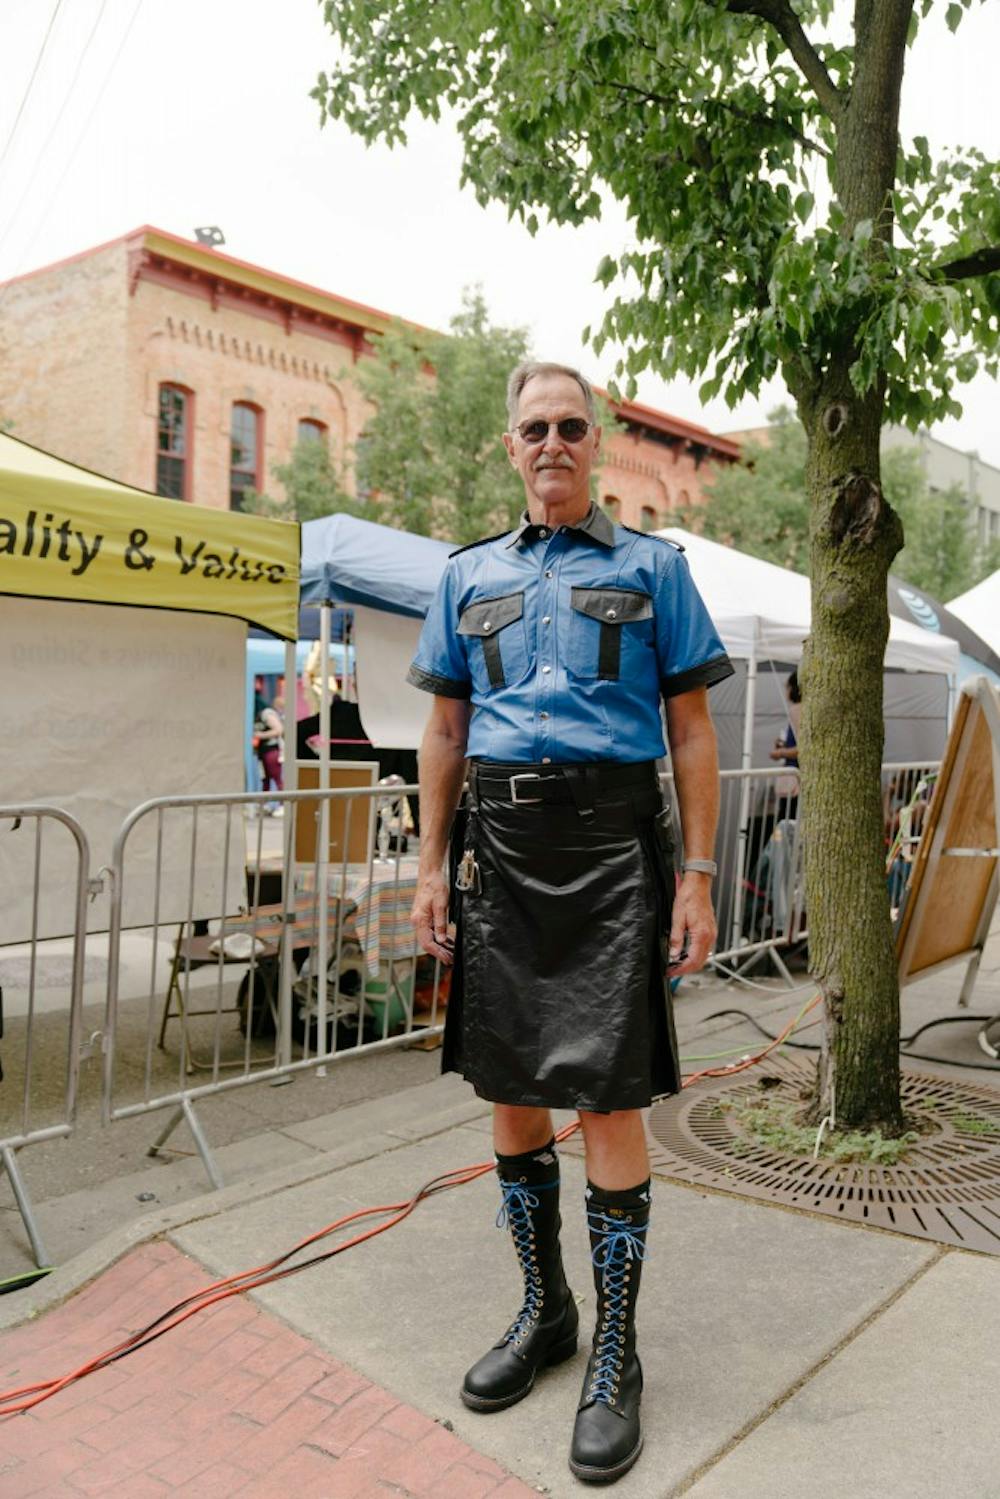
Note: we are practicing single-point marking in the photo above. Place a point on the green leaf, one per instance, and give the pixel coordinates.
(953, 16)
(606, 271)
(803, 207)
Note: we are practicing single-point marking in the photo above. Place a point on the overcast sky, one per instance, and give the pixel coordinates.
(197, 112)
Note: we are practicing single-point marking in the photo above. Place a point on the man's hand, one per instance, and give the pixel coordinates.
(693, 925)
(430, 917)
(442, 774)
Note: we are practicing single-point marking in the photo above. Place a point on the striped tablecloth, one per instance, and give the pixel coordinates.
(378, 898)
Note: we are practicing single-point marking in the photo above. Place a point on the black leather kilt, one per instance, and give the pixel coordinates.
(559, 996)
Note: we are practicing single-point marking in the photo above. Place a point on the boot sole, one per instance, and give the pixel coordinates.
(557, 1354)
(587, 1474)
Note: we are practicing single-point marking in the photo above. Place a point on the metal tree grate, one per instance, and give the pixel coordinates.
(947, 1190)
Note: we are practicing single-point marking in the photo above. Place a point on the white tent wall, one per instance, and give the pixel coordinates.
(394, 713)
(915, 706)
(106, 706)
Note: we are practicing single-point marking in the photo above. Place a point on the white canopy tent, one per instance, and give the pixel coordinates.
(763, 612)
(979, 608)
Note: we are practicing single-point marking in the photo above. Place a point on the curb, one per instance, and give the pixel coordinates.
(91, 1262)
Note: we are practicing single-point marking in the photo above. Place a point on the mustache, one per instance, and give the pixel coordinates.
(563, 461)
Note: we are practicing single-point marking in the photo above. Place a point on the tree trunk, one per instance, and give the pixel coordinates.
(854, 535)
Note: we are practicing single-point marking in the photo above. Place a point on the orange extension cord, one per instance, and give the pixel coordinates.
(13, 1401)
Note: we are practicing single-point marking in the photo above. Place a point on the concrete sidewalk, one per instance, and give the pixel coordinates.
(785, 1355)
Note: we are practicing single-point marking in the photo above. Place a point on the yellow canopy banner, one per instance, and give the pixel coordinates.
(68, 534)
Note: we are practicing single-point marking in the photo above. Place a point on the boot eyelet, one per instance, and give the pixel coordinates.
(612, 1400)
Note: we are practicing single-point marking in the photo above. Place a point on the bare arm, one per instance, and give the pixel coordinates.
(442, 775)
(695, 762)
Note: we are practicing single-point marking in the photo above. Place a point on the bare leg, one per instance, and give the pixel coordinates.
(616, 1149)
(517, 1129)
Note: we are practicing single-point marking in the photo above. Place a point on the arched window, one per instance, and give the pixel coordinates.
(245, 445)
(173, 442)
(650, 520)
(311, 430)
(612, 506)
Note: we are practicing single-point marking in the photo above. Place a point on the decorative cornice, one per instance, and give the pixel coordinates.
(217, 341)
(211, 284)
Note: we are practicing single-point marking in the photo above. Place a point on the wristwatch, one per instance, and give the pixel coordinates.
(700, 866)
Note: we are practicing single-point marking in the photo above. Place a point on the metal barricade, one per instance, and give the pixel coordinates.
(759, 892)
(31, 1108)
(310, 969)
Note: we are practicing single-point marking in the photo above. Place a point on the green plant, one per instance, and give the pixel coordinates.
(975, 1124)
(773, 1121)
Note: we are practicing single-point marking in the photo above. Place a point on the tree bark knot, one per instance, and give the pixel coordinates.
(834, 999)
(835, 419)
(857, 509)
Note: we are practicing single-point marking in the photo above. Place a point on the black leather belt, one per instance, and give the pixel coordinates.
(582, 784)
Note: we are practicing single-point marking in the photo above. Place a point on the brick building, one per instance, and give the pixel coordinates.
(169, 365)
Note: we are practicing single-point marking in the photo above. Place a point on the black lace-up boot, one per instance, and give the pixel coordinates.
(544, 1331)
(607, 1437)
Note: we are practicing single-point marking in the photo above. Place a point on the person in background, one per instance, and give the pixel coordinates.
(787, 747)
(269, 734)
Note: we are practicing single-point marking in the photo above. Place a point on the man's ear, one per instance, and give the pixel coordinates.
(598, 431)
(508, 442)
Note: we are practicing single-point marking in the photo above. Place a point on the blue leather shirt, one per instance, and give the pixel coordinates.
(565, 641)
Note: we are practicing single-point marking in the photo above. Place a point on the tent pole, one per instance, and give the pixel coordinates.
(290, 781)
(746, 760)
(323, 934)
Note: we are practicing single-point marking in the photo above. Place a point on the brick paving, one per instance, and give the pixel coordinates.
(231, 1402)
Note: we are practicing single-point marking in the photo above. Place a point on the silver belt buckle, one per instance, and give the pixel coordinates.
(527, 775)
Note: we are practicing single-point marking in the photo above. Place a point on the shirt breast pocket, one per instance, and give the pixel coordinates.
(609, 628)
(498, 647)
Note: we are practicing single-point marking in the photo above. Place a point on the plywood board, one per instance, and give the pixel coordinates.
(952, 894)
(359, 826)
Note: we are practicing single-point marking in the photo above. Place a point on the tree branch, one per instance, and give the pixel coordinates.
(780, 15)
(763, 119)
(984, 262)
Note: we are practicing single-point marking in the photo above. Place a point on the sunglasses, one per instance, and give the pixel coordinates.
(570, 429)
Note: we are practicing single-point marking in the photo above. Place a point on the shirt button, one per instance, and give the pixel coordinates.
(487, 625)
(543, 532)
(546, 619)
(546, 759)
(546, 670)
(543, 715)
(548, 572)
(612, 614)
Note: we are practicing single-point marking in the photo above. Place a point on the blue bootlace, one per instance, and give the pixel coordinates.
(515, 1210)
(618, 1243)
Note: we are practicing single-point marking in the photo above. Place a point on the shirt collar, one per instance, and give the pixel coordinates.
(595, 525)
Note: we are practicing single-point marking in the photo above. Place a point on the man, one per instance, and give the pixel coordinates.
(547, 651)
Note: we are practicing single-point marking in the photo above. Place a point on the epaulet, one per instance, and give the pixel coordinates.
(484, 542)
(651, 536)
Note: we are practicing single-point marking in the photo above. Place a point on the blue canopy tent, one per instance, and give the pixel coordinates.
(345, 563)
(351, 561)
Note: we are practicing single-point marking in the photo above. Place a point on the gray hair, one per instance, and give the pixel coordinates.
(527, 371)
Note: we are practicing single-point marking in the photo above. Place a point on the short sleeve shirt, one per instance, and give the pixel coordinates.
(565, 641)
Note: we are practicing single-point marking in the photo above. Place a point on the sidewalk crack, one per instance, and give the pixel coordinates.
(688, 1483)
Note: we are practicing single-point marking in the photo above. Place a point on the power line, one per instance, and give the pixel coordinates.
(31, 80)
(32, 175)
(81, 134)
